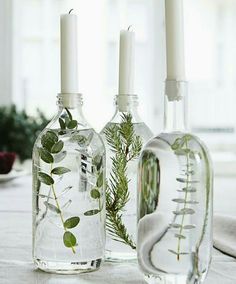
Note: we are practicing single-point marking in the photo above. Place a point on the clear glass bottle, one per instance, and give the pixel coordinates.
(68, 192)
(121, 247)
(175, 200)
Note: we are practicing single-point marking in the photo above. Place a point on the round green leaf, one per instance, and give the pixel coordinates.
(46, 156)
(57, 147)
(69, 239)
(95, 193)
(59, 157)
(49, 139)
(60, 171)
(91, 212)
(46, 179)
(72, 124)
(71, 222)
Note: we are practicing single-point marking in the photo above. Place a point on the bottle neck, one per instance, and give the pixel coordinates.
(127, 104)
(175, 115)
(72, 103)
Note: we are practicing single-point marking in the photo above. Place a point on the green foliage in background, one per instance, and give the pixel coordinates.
(18, 130)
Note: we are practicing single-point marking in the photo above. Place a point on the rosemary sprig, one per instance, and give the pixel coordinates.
(126, 146)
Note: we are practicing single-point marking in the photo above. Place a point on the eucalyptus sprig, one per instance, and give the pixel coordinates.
(51, 146)
(188, 185)
(67, 122)
(126, 147)
(51, 152)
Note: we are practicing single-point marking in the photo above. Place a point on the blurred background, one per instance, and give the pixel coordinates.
(30, 70)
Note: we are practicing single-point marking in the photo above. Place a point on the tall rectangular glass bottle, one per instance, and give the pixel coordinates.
(175, 200)
(175, 182)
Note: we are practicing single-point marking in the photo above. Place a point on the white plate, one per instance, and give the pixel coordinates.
(12, 175)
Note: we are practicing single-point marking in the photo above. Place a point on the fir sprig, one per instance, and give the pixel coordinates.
(126, 146)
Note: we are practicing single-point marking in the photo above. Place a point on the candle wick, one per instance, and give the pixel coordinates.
(129, 27)
(70, 11)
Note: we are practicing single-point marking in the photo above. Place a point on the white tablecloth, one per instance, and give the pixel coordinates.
(15, 249)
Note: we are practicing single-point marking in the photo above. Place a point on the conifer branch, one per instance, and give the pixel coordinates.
(126, 146)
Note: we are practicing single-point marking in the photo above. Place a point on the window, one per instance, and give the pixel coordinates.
(210, 58)
(211, 68)
(36, 54)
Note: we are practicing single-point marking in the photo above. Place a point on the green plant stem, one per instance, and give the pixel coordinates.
(58, 207)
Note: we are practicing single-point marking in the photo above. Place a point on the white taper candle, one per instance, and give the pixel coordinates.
(175, 40)
(126, 66)
(69, 57)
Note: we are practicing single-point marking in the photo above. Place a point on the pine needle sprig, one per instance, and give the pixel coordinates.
(126, 146)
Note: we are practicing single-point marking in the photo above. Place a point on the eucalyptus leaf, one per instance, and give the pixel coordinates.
(67, 204)
(183, 180)
(100, 180)
(80, 139)
(179, 200)
(187, 211)
(182, 152)
(62, 132)
(71, 222)
(69, 114)
(188, 227)
(57, 147)
(67, 120)
(89, 138)
(60, 171)
(72, 124)
(49, 139)
(179, 236)
(59, 157)
(45, 156)
(176, 144)
(69, 239)
(172, 251)
(44, 196)
(97, 161)
(52, 207)
(188, 189)
(91, 212)
(95, 193)
(62, 123)
(45, 178)
(178, 253)
(175, 225)
(187, 137)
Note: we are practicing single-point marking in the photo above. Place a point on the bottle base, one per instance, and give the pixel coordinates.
(68, 267)
(120, 257)
(170, 279)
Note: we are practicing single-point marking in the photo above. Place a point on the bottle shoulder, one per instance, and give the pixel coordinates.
(179, 143)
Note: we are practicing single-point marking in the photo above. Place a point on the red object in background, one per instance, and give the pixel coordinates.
(6, 162)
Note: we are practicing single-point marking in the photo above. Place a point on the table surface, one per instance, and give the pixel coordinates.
(16, 265)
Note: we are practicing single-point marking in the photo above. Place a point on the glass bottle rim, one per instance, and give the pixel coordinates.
(129, 99)
(67, 99)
